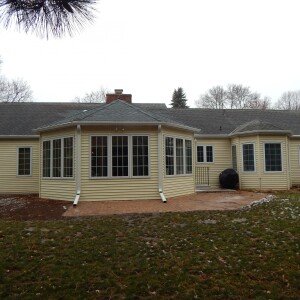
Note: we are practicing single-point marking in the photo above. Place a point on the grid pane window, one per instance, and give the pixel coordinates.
(140, 156)
(99, 156)
(273, 160)
(68, 157)
(46, 158)
(205, 154)
(169, 156)
(56, 160)
(188, 157)
(248, 158)
(179, 157)
(24, 161)
(209, 154)
(119, 156)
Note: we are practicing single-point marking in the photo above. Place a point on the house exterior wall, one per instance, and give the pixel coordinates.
(177, 185)
(58, 188)
(100, 189)
(259, 178)
(221, 161)
(295, 162)
(10, 182)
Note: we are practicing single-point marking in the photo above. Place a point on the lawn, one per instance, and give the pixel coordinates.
(253, 253)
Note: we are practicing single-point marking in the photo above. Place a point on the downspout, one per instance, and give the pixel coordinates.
(78, 166)
(160, 177)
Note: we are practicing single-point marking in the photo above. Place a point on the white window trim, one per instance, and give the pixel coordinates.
(109, 158)
(62, 158)
(205, 154)
(273, 142)
(236, 153)
(254, 155)
(18, 175)
(174, 156)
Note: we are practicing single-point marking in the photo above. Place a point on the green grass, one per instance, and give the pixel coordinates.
(248, 254)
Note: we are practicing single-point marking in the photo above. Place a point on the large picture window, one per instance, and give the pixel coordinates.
(58, 158)
(119, 156)
(24, 161)
(248, 158)
(178, 156)
(273, 159)
(205, 154)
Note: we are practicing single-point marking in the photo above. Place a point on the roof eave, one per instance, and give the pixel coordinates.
(17, 137)
(253, 132)
(59, 126)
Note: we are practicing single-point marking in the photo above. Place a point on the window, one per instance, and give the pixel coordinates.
(129, 156)
(188, 157)
(205, 154)
(99, 156)
(178, 156)
(273, 161)
(24, 161)
(140, 163)
(234, 157)
(58, 158)
(248, 158)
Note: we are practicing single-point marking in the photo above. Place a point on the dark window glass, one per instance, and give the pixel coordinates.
(248, 157)
(99, 156)
(273, 162)
(188, 157)
(209, 154)
(24, 161)
(169, 147)
(68, 157)
(140, 165)
(119, 156)
(46, 158)
(200, 154)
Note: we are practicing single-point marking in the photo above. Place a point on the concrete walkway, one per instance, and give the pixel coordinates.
(193, 202)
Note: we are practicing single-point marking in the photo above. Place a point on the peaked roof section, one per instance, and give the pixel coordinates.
(117, 111)
(258, 126)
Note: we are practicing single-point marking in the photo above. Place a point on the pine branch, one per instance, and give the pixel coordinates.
(47, 17)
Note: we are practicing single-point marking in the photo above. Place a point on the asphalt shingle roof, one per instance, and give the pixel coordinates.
(23, 118)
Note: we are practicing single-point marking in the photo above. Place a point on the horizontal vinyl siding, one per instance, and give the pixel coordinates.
(58, 188)
(222, 158)
(294, 162)
(10, 183)
(118, 188)
(179, 184)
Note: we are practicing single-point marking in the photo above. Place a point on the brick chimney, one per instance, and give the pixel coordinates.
(118, 95)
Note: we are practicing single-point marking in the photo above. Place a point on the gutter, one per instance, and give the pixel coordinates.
(160, 179)
(76, 200)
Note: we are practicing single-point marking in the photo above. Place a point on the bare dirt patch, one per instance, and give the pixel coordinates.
(31, 207)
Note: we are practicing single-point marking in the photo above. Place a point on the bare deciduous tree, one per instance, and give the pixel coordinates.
(16, 90)
(236, 96)
(45, 17)
(289, 101)
(93, 97)
(215, 97)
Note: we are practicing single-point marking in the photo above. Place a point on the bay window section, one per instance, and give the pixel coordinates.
(178, 156)
(58, 158)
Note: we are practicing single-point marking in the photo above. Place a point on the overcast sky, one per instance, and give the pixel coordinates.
(149, 48)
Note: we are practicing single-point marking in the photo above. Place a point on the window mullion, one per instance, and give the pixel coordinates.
(174, 156)
(51, 158)
(62, 145)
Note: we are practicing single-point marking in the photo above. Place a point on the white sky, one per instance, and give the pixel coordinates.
(149, 48)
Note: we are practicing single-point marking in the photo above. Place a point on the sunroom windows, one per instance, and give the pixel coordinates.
(178, 156)
(58, 158)
(119, 156)
(248, 158)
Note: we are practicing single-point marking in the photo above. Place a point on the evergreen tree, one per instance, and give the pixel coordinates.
(179, 99)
